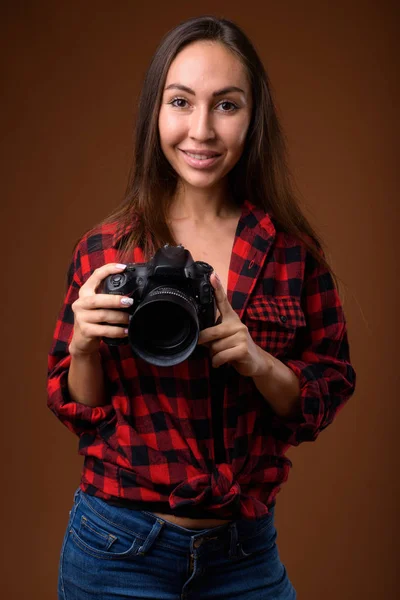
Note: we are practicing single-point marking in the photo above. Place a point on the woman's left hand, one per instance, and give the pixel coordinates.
(230, 341)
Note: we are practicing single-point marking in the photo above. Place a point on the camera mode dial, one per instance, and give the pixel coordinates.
(116, 281)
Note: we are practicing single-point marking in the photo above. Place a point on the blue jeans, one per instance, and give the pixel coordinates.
(111, 552)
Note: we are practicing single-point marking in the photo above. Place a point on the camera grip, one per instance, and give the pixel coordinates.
(115, 341)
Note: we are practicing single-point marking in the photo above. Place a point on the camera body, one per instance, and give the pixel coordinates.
(173, 299)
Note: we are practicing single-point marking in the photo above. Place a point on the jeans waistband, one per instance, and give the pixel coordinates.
(140, 522)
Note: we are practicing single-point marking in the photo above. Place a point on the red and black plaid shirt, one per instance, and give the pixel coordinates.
(196, 441)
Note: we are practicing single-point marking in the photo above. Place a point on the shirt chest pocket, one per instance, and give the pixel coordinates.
(274, 321)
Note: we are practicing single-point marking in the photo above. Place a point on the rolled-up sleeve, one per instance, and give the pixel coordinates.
(320, 359)
(77, 417)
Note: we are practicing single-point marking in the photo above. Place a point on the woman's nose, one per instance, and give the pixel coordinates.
(201, 125)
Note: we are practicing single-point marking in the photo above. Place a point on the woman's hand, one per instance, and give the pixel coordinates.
(92, 309)
(230, 341)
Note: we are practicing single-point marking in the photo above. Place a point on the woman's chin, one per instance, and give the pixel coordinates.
(201, 180)
(206, 187)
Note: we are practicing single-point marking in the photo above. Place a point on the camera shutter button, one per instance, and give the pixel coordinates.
(203, 266)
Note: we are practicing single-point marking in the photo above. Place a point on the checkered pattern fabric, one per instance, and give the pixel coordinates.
(196, 441)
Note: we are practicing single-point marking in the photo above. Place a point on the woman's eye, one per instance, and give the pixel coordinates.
(231, 106)
(178, 102)
(226, 105)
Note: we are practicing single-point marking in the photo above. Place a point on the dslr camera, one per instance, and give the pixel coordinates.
(173, 300)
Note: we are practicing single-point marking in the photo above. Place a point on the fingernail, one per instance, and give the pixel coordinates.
(120, 266)
(127, 301)
(217, 278)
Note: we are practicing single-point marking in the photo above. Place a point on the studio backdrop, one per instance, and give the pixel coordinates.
(72, 73)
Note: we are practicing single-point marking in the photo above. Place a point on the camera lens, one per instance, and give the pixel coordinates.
(164, 329)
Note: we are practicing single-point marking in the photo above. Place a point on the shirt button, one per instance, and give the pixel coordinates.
(283, 318)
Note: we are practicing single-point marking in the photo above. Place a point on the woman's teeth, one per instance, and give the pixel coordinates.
(200, 156)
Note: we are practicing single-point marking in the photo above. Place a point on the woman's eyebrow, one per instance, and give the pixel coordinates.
(225, 90)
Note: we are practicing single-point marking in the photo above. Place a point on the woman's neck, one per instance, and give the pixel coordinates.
(202, 206)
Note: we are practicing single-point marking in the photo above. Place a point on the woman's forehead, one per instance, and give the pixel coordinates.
(207, 65)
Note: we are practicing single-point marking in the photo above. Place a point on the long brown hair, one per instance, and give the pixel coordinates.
(261, 174)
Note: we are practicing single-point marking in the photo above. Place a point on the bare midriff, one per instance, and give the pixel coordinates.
(189, 523)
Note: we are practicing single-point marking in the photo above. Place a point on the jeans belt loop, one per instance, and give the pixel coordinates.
(233, 549)
(155, 530)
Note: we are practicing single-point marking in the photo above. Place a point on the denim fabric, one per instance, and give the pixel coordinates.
(112, 552)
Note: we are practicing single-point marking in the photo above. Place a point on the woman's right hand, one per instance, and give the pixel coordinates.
(92, 309)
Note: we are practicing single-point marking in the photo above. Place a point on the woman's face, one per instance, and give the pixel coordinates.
(205, 113)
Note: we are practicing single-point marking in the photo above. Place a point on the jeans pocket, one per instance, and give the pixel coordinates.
(261, 551)
(98, 537)
(262, 542)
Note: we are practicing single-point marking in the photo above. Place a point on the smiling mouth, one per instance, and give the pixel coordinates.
(201, 156)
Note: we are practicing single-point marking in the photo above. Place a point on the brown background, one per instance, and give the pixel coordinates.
(72, 73)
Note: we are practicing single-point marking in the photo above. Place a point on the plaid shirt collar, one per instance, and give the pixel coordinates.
(254, 236)
(252, 217)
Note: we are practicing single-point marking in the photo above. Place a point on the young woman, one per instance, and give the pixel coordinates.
(182, 463)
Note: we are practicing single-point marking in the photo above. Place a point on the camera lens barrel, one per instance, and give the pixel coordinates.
(164, 329)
